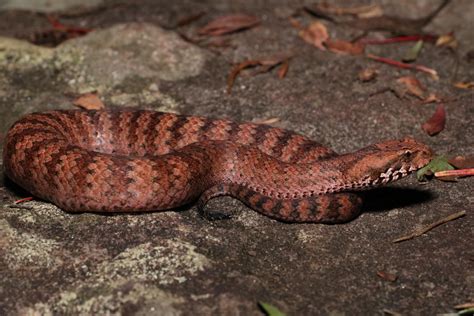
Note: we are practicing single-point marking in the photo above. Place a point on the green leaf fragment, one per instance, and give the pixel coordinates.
(438, 163)
(413, 53)
(467, 311)
(270, 310)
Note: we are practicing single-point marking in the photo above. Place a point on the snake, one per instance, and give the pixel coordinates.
(119, 160)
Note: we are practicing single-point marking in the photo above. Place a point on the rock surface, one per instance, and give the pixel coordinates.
(176, 263)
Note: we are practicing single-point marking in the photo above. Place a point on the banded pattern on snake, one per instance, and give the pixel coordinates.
(129, 160)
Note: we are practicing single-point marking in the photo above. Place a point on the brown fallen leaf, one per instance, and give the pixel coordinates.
(185, 20)
(315, 34)
(89, 101)
(431, 98)
(393, 24)
(447, 40)
(265, 64)
(229, 24)
(412, 86)
(372, 11)
(218, 41)
(331, 9)
(464, 85)
(462, 162)
(344, 47)
(367, 74)
(435, 124)
(387, 276)
(283, 69)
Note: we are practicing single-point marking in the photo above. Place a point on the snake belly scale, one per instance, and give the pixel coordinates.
(138, 160)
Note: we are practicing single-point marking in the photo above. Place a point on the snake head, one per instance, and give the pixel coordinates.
(387, 161)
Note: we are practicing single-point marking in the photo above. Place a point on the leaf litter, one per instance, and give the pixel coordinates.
(229, 24)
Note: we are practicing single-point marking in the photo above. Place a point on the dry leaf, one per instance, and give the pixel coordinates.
(228, 24)
(431, 98)
(185, 20)
(437, 122)
(462, 162)
(464, 85)
(344, 47)
(387, 276)
(315, 34)
(447, 40)
(412, 85)
(364, 10)
(372, 11)
(283, 69)
(266, 65)
(367, 74)
(89, 101)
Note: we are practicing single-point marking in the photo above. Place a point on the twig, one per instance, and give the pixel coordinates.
(23, 200)
(455, 173)
(20, 207)
(426, 229)
(399, 64)
(398, 39)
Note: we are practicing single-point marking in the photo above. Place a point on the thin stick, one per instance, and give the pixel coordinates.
(398, 64)
(398, 39)
(426, 229)
(455, 173)
(23, 200)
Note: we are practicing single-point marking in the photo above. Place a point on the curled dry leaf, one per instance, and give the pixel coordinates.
(462, 162)
(228, 24)
(431, 98)
(315, 34)
(89, 101)
(266, 65)
(363, 11)
(387, 276)
(344, 47)
(464, 85)
(372, 11)
(367, 74)
(412, 86)
(435, 123)
(283, 69)
(185, 20)
(447, 40)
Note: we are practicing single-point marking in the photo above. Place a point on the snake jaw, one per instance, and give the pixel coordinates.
(386, 162)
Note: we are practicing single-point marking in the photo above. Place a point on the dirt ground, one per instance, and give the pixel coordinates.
(176, 263)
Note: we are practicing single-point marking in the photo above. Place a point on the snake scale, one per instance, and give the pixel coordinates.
(138, 160)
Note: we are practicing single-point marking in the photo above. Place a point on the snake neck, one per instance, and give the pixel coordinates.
(366, 168)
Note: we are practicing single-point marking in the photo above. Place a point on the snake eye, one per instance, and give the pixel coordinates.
(407, 153)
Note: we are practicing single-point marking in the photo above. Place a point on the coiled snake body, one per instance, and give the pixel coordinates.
(126, 161)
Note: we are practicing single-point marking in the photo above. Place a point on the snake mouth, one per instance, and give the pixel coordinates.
(394, 174)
